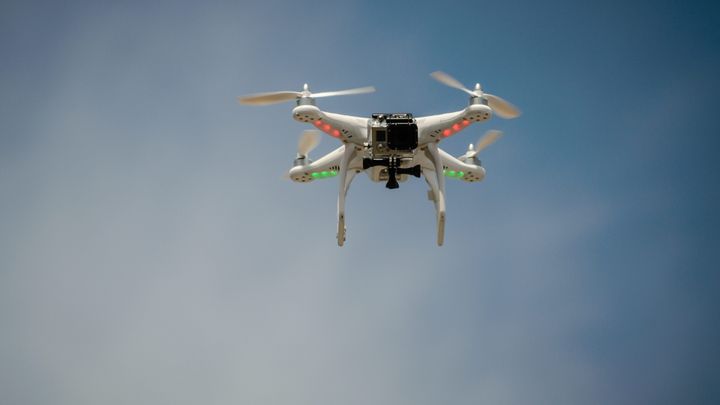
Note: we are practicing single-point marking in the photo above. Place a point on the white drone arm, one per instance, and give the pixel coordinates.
(451, 167)
(326, 167)
(455, 168)
(431, 128)
(435, 128)
(347, 128)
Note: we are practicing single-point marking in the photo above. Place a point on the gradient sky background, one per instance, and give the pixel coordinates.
(150, 252)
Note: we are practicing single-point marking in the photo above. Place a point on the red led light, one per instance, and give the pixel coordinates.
(336, 133)
(326, 127)
(318, 123)
(447, 132)
(456, 127)
(465, 123)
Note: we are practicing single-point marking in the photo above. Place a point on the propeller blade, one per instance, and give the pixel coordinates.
(501, 107)
(448, 80)
(308, 141)
(488, 139)
(269, 98)
(359, 90)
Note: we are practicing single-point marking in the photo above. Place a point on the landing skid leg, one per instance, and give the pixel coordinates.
(346, 177)
(438, 199)
(436, 181)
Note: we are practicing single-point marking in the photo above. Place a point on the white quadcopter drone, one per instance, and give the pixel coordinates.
(389, 147)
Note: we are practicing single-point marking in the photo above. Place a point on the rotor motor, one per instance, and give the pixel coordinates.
(306, 113)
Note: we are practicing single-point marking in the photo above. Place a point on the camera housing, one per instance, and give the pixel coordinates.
(393, 134)
(393, 140)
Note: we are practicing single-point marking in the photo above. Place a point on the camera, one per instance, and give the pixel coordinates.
(393, 138)
(393, 135)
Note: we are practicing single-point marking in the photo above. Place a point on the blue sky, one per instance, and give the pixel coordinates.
(150, 251)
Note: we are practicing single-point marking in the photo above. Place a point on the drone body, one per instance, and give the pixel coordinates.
(390, 147)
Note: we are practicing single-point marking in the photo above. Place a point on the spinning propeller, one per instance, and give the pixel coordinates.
(282, 96)
(488, 139)
(501, 107)
(309, 140)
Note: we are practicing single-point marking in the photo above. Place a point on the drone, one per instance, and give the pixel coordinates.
(389, 147)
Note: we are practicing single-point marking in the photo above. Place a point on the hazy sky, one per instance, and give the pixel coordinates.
(151, 253)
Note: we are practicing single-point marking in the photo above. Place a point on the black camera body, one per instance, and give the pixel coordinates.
(393, 135)
(393, 140)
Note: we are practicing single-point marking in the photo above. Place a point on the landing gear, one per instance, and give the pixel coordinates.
(393, 169)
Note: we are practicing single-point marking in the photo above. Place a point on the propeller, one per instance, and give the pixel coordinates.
(486, 140)
(501, 107)
(309, 140)
(282, 96)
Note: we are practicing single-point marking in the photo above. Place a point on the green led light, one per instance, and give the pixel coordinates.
(324, 174)
(452, 173)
